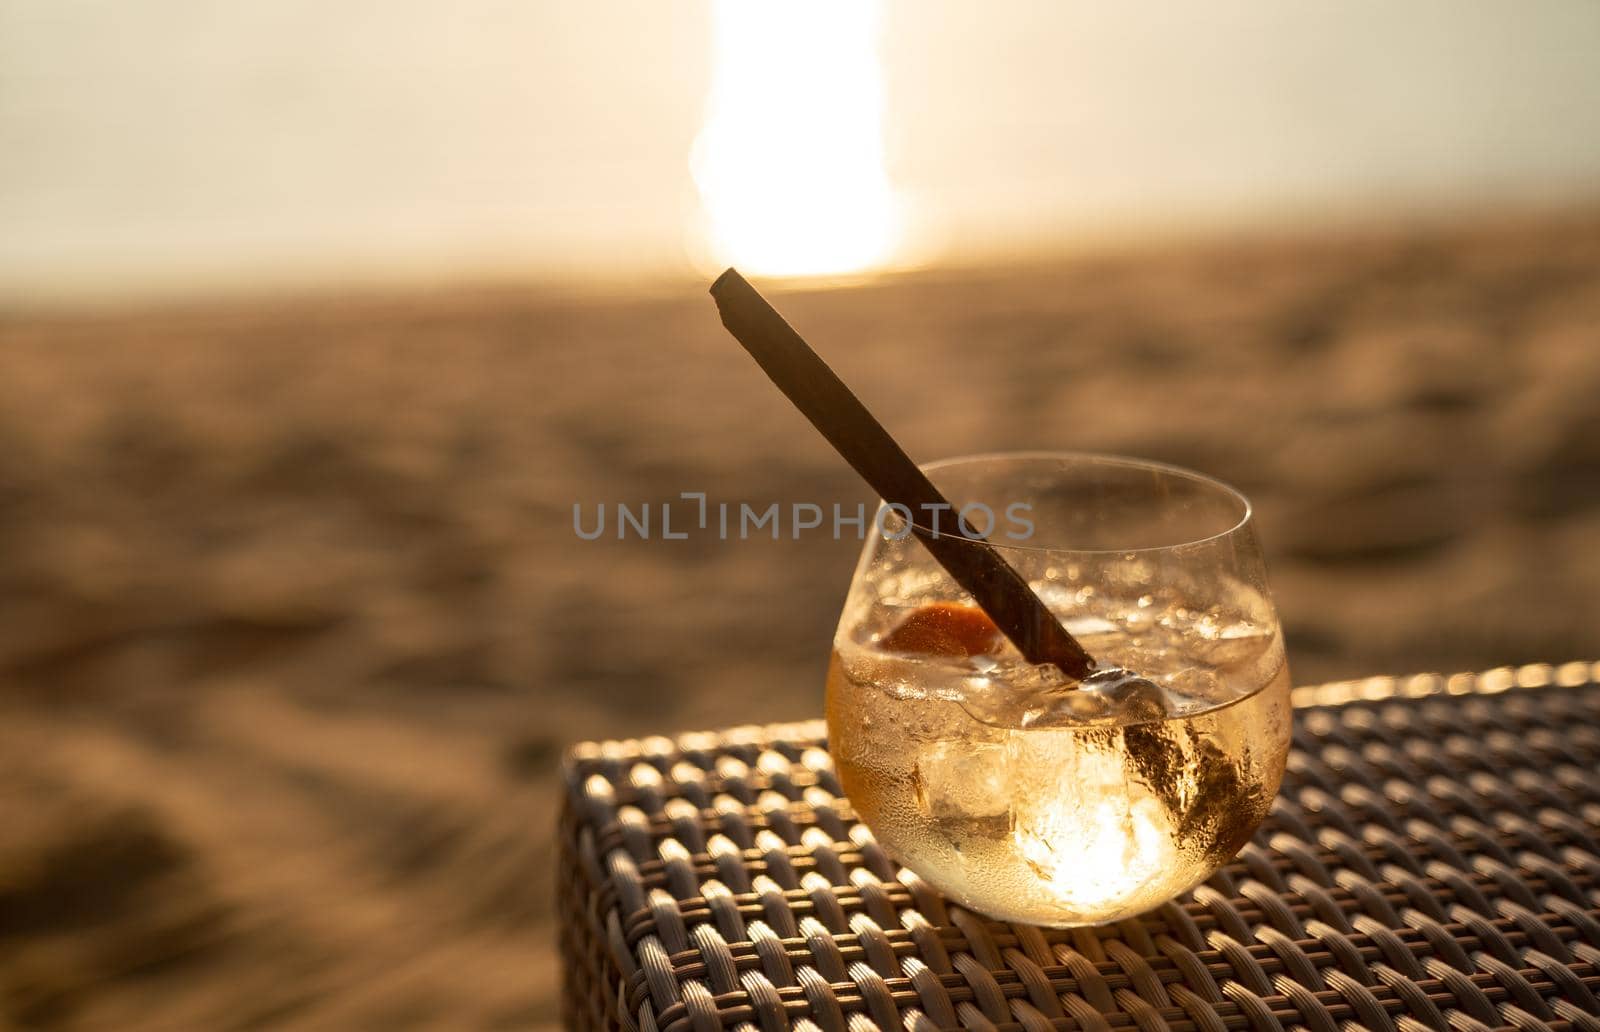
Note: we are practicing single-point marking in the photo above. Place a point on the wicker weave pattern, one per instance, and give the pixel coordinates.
(1432, 862)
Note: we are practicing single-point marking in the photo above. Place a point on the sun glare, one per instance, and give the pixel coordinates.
(790, 163)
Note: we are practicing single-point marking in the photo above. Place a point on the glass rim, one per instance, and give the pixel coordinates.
(1247, 509)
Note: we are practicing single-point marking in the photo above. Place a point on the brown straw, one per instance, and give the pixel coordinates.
(863, 442)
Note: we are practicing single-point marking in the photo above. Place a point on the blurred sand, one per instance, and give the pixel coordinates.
(294, 623)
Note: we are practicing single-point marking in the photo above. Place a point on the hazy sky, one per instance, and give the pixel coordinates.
(179, 142)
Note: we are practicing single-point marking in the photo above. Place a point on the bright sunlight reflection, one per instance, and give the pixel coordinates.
(790, 163)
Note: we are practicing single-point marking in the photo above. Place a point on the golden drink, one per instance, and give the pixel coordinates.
(1032, 798)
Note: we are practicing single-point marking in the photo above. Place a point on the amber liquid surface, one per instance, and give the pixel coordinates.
(1035, 801)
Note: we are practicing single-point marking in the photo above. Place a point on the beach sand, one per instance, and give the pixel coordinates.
(294, 623)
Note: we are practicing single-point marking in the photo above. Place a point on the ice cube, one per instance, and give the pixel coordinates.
(963, 779)
(1110, 696)
(1072, 707)
(1133, 698)
(1079, 821)
(1003, 694)
(1196, 688)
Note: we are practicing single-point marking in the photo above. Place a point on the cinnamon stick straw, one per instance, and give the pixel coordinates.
(789, 361)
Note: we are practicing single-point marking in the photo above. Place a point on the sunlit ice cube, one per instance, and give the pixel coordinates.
(1093, 833)
(963, 779)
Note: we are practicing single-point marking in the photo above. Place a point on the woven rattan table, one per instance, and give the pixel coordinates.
(1432, 862)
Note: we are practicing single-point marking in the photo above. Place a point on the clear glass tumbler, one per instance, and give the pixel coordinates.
(1019, 792)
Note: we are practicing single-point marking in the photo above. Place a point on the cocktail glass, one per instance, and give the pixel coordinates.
(1015, 790)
